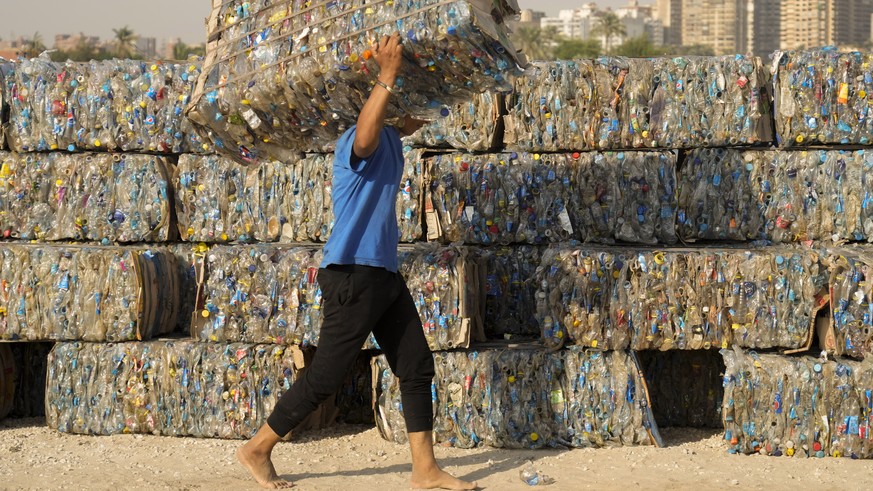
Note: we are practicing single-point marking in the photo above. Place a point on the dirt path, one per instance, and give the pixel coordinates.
(355, 457)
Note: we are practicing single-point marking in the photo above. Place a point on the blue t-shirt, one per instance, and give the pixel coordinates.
(364, 203)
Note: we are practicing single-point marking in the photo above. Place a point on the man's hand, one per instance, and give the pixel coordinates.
(388, 54)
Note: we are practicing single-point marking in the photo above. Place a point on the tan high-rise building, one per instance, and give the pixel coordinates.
(669, 12)
(721, 24)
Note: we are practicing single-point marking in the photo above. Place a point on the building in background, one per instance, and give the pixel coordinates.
(529, 18)
(639, 20)
(70, 42)
(146, 47)
(669, 13)
(720, 24)
(580, 23)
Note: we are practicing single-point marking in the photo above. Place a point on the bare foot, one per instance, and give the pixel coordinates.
(437, 478)
(261, 468)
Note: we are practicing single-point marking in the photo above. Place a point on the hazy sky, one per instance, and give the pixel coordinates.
(154, 18)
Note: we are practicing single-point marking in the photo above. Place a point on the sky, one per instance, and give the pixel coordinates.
(161, 19)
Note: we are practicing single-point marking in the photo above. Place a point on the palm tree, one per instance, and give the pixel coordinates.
(33, 46)
(125, 42)
(534, 42)
(609, 26)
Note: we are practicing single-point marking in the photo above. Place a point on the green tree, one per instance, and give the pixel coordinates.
(692, 50)
(638, 47)
(609, 26)
(33, 46)
(84, 51)
(569, 49)
(182, 51)
(125, 42)
(535, 43)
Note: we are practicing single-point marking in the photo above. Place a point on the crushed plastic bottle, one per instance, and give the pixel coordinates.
(850, 299)
(89, 293)
(289, 75)
(532, 477)
(525, 398)
(112, 105)
(91, 197)
(623, 103)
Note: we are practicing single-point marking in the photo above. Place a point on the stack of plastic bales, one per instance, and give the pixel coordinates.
(287, 75)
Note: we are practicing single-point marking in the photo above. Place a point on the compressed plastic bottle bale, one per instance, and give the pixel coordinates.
(623, 103)
(575, 299)
(499, 198)
(286, 74)
(718, 195)
(776, 196)
(820, 97)
(178, 388)
(524, 398)
(850, 297)
(510, 291)
(114, 105)
(220, 200)
(796, 406)
(684, 299)
(470, 126)
(685, 387)
(710, 102)
(625, 196)
(87, 293)
(95, 197)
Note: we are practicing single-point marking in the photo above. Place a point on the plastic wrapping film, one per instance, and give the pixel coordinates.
(294, 75)
(525, 398)
(220, 200)
(510, 291)
(112, 105)
(94, 197)
(270, 294)
(472, 126)
(171, 388)
(797, 407)
(622, 103)
(31, 364)
(821, 97)
(685, 387)
(780, 196)
(91, 293)
(679, 299)
(541, 198)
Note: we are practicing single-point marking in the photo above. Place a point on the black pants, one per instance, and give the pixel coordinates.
(358, 300)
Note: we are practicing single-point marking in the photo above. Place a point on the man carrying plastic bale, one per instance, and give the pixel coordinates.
(363, 291)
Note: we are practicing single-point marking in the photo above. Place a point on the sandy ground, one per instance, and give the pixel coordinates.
(354, 457)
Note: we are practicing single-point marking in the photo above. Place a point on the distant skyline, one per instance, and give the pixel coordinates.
(161, 19)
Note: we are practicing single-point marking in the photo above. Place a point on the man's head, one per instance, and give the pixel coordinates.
(409, 125)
